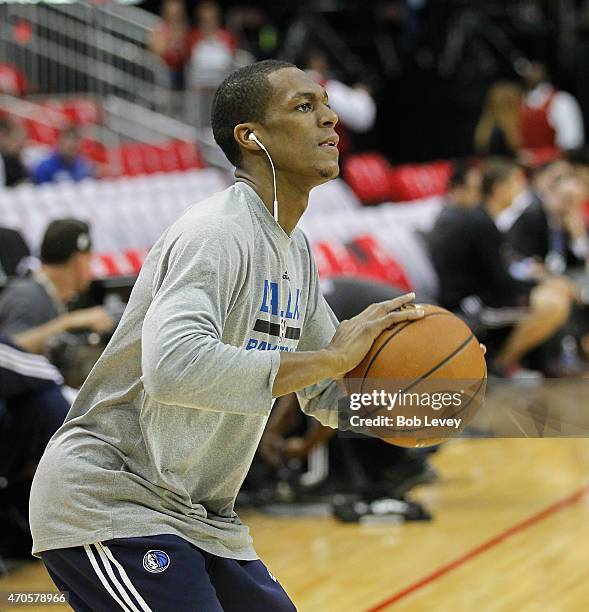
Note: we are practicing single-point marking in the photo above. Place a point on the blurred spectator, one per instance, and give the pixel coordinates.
(498, 131)
(354, 105)
(212, 46)
(66, 163)
(579, 160)
(551, 119)
(468, 253)
(12, 80)
(467, 246)
(548, 225)
(542, 185)
(13, 249)
(464, 186)
(170, 40)
(32, 408)
(12, 140)
(35, 307)
(253, 26)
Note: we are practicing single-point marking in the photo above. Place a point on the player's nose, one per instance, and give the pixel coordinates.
(329, 117)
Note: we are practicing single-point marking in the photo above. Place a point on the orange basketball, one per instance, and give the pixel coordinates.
(421, 382)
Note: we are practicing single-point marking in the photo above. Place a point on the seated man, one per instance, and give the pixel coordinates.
(13, 249)
(464, 186)
(12, 140)
(37, 305)
(550, 227)
(467, 250)
(66, 163)
(32, 408)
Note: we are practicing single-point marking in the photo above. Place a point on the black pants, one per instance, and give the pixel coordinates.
(27, 422)
(164, 573)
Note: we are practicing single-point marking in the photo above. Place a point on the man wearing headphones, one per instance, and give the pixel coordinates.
(133, 502)
(35, 307)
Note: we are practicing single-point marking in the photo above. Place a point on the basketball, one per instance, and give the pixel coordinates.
(421, 382)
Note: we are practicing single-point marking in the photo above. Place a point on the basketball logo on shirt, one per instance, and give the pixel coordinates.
(289, 327)
(156, 561)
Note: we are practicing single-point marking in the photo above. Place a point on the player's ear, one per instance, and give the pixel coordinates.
(241, 133)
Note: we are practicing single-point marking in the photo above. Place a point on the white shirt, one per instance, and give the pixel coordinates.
(355, 107)
(564, 115)
(510, 215)
(210, 61)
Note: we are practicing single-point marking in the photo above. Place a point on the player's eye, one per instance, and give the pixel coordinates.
(305, 107)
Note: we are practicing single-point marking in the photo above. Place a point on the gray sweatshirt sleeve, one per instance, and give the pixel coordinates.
(184, 360)
(320, 400)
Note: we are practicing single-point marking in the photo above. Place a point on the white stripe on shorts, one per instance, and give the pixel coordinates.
(118, 586)
(102, 577)
(125, 578)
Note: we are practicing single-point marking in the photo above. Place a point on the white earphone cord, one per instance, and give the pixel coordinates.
(253, 137)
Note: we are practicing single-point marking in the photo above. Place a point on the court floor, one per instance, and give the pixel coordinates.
(510, 533)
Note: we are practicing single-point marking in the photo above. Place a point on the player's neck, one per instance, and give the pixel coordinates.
(292, 199)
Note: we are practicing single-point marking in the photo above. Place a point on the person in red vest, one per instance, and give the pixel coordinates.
(212, 46)
(551, 119)
(170, 40)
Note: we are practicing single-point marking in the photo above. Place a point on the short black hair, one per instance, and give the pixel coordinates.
(496, 170)
(243, 96)
(63, 238)
(459, 175)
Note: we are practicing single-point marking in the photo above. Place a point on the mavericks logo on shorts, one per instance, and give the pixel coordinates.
(156, 561)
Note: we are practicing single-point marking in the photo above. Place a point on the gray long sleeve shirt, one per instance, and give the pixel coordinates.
(163, 431)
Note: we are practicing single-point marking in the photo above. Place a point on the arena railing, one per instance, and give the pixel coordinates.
(134, 121)
(100, 49)
(83, 48)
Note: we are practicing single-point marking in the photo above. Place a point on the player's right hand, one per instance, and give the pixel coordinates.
(96, 318)
(354, 337)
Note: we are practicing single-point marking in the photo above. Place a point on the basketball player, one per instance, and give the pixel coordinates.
(132, 503)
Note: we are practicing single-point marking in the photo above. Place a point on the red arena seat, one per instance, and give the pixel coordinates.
(362, 257)
(82, 111)
(418, 181)
(368, 175)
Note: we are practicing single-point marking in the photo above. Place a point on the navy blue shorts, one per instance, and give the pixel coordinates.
(162, 573)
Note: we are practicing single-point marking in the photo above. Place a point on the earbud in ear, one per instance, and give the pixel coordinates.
(252, 137)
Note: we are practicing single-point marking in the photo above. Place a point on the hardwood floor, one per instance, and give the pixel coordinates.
(510, 534)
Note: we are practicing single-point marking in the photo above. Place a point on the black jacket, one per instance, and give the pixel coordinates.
(468, 253)
(531, 235)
